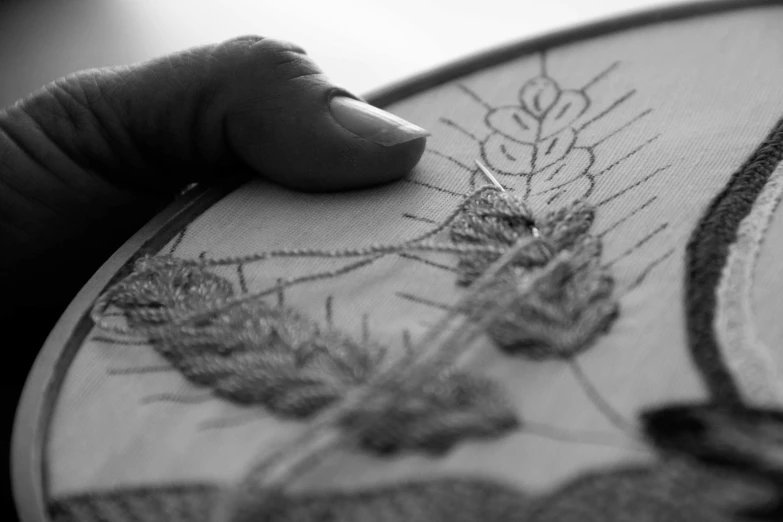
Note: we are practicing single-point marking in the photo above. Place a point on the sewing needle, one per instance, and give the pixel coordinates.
(533, 229)
(489, 176)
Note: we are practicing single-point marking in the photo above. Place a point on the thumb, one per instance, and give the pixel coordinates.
(302, 131)
(251, 101)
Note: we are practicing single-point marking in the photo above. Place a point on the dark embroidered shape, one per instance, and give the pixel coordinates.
(671, 491)
(258, 354)
(274, 357)
(436, 500)
(744, 441)
(171, 503)
(566, 308)
(250, 354)
(493, 219)
(562, 313)
(706, 256)
(161, 284)
(565, 227)
(433, 418)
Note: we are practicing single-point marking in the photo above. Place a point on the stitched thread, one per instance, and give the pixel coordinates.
(742, 441)
(256, 354)
(669, 491)
(177, 318)
(706, 255)
(540, 296)
(561, 315)
(746, 356)
(279, 465)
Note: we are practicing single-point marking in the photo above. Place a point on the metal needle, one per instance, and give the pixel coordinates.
(533, 229)
(489, 176)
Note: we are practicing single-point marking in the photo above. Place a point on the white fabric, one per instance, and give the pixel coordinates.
(713, 84)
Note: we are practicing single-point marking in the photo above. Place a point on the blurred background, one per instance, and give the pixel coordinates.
(361, 45)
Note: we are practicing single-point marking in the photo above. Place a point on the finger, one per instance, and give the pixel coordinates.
(249, 101)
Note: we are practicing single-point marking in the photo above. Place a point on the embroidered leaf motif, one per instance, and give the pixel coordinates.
(434, 418)
(561, 314)
(162, 283)
(277, 358)
(566, 308)
(494, 219)
(257, 354)
(252, 353)
(564, 227)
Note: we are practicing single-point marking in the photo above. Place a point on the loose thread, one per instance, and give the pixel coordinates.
(592, 393)
(371, 249)
(540, 429)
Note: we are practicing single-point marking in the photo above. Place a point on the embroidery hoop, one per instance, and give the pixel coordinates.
(46, 377)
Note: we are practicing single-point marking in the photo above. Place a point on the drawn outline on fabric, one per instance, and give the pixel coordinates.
(537, 150)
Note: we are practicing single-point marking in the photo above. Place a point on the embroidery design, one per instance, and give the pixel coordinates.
(558, 297)
(706, 257)
(744, 442)
(747, 358)
(547, 298)
(569, 307)
(257, 354)
(249, 352)
(676, 491)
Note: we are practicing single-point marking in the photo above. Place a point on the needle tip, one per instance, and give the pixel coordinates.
(489, 176)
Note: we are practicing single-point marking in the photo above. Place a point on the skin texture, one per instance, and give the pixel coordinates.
(88, 159)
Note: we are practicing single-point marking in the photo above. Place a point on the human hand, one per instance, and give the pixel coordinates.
(89, 158)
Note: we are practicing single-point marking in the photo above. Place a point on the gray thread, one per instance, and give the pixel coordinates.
(487, 214)
(256, 354)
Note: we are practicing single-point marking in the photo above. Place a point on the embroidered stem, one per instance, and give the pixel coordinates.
(348, 252)
(371, 249)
